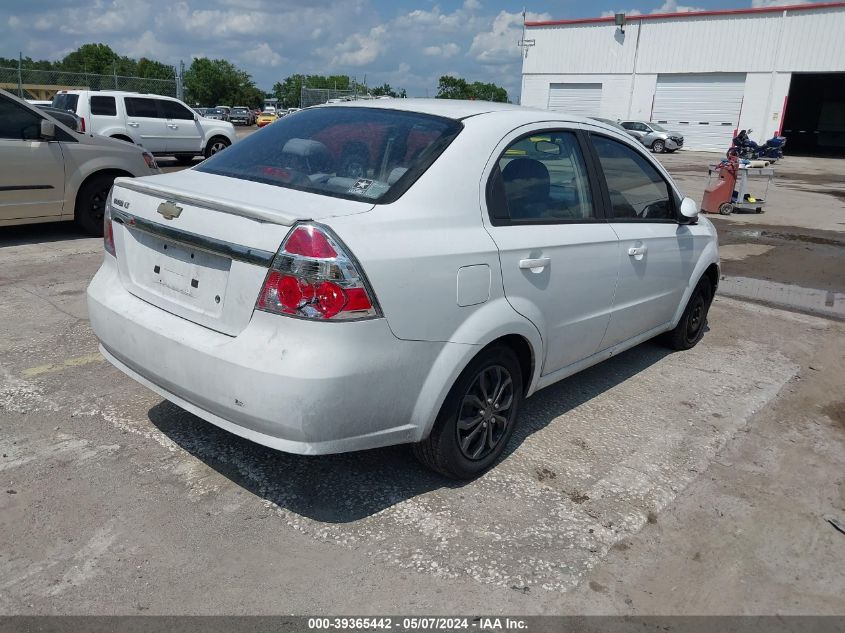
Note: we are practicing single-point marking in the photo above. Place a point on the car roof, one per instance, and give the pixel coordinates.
(453, 108)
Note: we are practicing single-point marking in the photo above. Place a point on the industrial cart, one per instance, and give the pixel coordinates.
(729, 188)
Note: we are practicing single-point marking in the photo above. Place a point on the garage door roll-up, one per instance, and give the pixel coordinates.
(579, 99)
(704, 108)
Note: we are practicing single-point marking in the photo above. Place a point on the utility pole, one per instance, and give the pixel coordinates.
(114, 72)
(20, 74)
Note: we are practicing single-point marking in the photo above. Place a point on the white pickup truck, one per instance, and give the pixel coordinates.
(49, 173)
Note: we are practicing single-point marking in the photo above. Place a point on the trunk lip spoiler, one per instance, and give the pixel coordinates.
(185, 197)
(211, 245)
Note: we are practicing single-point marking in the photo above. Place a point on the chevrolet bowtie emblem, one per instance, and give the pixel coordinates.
(169, 210)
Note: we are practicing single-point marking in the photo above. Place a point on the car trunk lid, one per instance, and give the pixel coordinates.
(199, 246)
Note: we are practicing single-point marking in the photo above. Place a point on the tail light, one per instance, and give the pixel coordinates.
(108, 231)
(313, 276)
(82, 124)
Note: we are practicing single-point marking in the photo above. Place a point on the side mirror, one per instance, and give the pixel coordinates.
(48, 130)
(689, 209)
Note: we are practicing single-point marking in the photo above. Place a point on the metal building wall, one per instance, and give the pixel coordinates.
(802, 41)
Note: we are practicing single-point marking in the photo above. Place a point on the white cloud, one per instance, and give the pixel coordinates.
(499, 43)
(263, 55)
(360, 49)
(445, 51)
(409, 45)
(776, 3)
(669, 6)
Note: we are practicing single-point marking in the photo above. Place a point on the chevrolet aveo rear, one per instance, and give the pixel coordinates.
(359, 276)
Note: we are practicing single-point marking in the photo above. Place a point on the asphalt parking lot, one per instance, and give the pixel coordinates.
(657, 482)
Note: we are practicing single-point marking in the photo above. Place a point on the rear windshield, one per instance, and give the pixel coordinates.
(367, 154)
(65, 102)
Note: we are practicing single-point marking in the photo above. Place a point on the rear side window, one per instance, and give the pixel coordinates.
(541, 178)
(104, 106)
(64, 101)
(175, 110)
(367, 154)
(18, 123)
(139, 107)
(637, 190)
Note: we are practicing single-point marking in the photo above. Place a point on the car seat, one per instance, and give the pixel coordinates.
(527, 186)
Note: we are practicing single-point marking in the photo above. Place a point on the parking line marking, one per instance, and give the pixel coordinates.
(65, 364)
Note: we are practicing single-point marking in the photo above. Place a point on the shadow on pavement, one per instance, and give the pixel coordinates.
(352, 486)
(41, 233)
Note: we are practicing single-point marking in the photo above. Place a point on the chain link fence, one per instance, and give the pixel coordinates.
(315, 96)
(43, 84)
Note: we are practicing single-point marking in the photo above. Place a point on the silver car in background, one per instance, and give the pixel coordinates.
(657, 138)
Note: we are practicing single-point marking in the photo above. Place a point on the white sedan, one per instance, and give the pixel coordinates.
(397, 271)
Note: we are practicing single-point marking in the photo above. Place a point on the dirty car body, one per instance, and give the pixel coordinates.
(396, 272)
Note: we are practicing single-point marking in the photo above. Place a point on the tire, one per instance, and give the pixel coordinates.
(463, 450)
(658, 147)
(91, 203)
(726, 208)
(691, 326)
(216, 144)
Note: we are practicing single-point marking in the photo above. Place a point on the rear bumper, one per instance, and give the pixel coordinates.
(293, 385)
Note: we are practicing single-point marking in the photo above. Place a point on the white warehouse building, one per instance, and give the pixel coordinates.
(704, 74)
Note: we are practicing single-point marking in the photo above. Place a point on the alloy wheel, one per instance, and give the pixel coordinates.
(485, 412)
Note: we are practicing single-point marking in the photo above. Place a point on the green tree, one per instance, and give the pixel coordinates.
(219, 82)
(488, 92)
(387, 91)
(288, 91)
(450, 87)
(97, 59)
(152, 69)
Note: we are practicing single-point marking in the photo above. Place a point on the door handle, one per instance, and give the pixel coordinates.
(132, 124)
(636, 250)
(536, 264)
(172, 127)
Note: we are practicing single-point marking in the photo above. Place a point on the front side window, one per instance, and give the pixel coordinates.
(104, 106)
(139, 107)
(541, 178)
(637, 190)
(367, 154)
(18, 123)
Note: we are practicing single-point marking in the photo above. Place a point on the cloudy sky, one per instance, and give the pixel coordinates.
(407, 43)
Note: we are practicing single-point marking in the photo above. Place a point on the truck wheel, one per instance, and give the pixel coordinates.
(658, 146)
(91, 203)
(216, 144)
(477, 418)
(690, 328)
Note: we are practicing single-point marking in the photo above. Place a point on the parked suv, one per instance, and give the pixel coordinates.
(49, 172)
(162, 125)
(241, 116)
(654, 136)
(470, 254)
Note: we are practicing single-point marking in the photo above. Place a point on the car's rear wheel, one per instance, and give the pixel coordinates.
(216, 144)
(91, 203)
(691, 326)
(658, 146)
(477, 418)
